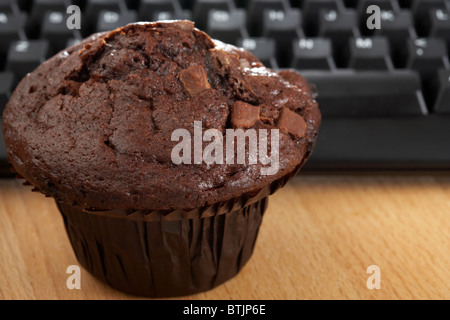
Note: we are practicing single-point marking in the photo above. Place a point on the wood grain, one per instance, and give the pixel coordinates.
(318, 237)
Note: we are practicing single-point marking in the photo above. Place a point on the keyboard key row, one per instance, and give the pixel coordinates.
(361, 53)
(339, 40)
(254, 9)
(261, 18)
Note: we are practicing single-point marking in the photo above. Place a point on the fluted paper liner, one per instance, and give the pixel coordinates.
(168, 253)
(167, 257)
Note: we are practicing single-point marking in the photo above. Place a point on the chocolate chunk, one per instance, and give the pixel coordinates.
(292, 123)
(243, 115)
(221, 57)
(194, 79)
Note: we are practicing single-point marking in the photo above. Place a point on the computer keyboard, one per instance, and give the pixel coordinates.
(384, 93)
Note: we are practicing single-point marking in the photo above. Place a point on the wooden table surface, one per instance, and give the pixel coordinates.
(319, 235)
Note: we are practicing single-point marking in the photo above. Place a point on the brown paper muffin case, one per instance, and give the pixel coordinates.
(165, 254)
(167, 257)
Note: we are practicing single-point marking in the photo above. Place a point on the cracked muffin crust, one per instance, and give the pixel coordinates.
(92, 126)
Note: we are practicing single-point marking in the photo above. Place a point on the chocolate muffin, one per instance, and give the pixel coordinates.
(93, 127)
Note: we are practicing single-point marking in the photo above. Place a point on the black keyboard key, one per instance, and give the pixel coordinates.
(397, 27)
(202, 7)
(311, 10)
(427, 55)
(312, 53)
(11, 29)
(148, 7)
(93, 8)
(264, 49)
(283, 27)
(421, 12)
(440, 24)
(442, 104)
(368, 93)
(397, 24)
(6, 87)
(227, 26)
(55, 30)
(24, 56)
(339, 26)
(109, 20)
(399, 143)
(255, 11)
(40, 7)
(371, 53)
(171, 15)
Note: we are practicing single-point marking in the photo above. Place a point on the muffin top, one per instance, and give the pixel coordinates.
(93, 126)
